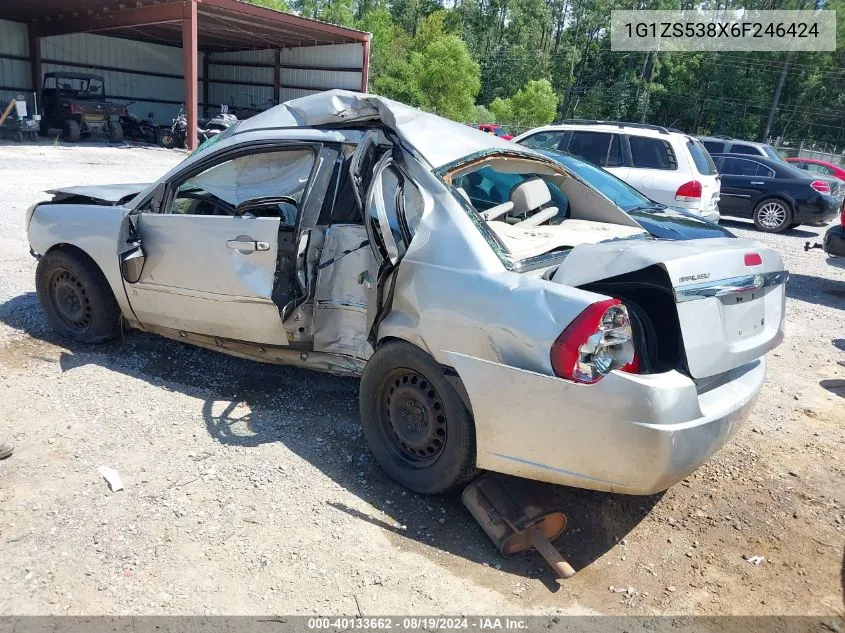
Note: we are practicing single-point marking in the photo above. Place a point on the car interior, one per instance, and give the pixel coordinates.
(533, 209)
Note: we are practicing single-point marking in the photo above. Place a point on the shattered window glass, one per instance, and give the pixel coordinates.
(221, 188)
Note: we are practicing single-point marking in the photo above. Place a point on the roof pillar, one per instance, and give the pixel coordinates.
(189, 50)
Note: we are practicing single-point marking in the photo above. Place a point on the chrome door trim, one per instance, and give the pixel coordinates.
(733, 285)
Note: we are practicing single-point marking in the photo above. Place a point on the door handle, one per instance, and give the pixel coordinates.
(757, 182)
(245, 245)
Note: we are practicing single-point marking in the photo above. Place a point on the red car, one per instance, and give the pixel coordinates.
(492, 128)
(818, 167)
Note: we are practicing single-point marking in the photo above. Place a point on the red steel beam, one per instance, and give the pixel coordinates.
(365, 65)
(189, 50)
(268, 15)
(136, 16)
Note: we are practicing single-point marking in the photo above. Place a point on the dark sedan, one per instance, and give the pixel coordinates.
(834, 239)
(661, 221)
(775, 194)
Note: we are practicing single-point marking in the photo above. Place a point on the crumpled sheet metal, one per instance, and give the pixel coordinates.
(438, 140)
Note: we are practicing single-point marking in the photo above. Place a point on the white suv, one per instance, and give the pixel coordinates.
(667, 166)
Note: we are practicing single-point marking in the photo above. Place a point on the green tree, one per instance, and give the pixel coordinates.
(335, 11)
(278, 5)
(448, 78)
(502, 110)
(483, 115)
(533, 105)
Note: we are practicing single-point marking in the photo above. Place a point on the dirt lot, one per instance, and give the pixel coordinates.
(249, 488)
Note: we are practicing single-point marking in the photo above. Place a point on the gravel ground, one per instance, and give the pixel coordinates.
(249, 488)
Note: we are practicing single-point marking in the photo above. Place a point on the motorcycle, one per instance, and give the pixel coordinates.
(222, 120)
(137, 129)
(177, 135)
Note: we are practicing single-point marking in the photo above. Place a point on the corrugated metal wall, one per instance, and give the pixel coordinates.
(156, 85)
(151, 74)
(14, 73)
(315, 68)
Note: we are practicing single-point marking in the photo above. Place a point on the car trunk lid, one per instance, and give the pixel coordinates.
(729, 293)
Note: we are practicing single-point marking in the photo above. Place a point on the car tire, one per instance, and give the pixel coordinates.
(416, 425)
(772, 215)
(71, 131)
(115, 131)
(76, 297)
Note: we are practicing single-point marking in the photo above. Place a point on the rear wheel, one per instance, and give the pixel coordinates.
(115, 131)
(164, 138)
(416, 425)
(76, 297)
(71, 131)
(772, 215)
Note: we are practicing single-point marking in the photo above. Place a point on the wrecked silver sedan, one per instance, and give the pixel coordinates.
(501, 313)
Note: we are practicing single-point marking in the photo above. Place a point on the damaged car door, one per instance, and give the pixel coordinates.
(392, 207)
(218, 243)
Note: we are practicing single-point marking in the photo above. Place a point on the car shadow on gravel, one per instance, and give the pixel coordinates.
(731, 223)
(819, 290)
(315, 415)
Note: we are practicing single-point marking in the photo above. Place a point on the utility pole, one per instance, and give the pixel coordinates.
(776, 99)
(781, 81)
(650, 61)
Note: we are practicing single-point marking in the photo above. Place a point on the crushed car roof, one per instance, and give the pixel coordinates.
(439, 141)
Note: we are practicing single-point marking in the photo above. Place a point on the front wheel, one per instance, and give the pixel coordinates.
(76, 297)
(71, 131)
(416, 425)
(772, 215)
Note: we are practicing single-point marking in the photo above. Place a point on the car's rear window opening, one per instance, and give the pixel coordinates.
(528, 208)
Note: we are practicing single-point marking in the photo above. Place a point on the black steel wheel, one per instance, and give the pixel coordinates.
(71, 300)
(410, 410)
(76, 297)
(418, 428)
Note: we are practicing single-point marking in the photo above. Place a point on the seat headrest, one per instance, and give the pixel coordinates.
(530, 195)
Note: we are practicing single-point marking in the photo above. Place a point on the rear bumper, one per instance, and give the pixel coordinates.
(818, 213)
(708, 210)
(627, 433)
(834, 241)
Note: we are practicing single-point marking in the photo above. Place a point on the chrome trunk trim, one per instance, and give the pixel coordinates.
(733, 285)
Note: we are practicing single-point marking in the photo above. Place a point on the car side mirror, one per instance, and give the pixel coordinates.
(132, 263)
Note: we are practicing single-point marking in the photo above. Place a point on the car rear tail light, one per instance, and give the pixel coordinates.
(753, 259)
(821, 186)
(596, 342)
(842, 216)
(689, 191)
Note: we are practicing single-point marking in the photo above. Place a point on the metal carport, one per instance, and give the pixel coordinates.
(244, 44)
